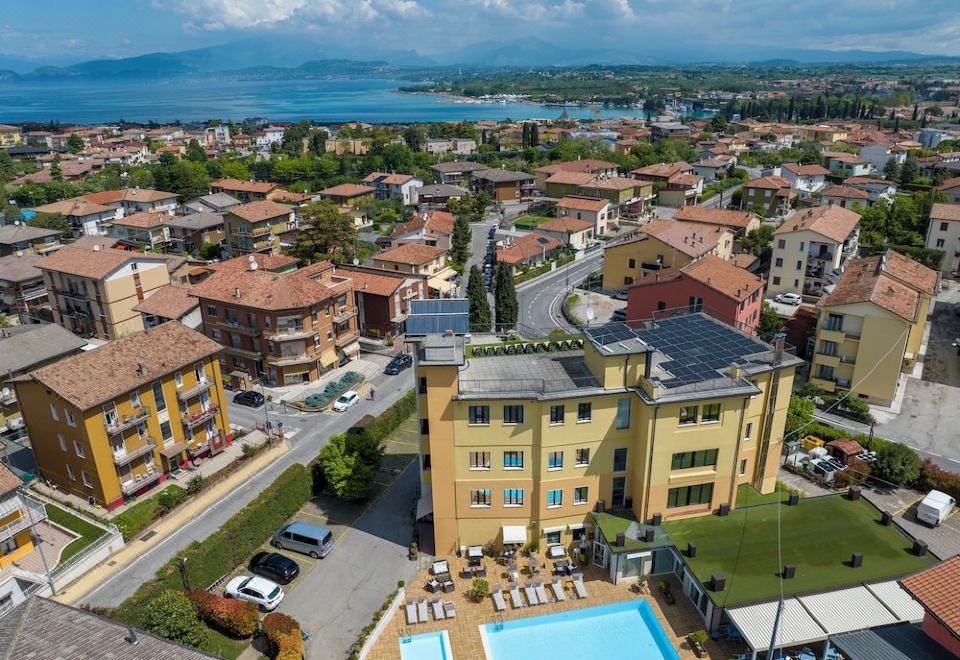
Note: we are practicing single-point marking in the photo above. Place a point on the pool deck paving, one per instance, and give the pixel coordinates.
(677, 620)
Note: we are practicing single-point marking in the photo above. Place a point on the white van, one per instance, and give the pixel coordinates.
(935, 508)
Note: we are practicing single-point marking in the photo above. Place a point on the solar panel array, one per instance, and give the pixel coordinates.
(696, 346)
(611, 333)
(435, 317)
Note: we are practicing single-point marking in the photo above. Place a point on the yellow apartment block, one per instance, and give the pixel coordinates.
(669, 420)
(871, 326)
(18, 514)
(116, 421)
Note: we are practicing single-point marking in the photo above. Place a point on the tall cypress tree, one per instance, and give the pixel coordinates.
(480, 315)
(505, 297)
(460, 241)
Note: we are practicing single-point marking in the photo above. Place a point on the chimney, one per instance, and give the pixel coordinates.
(141, 368)
(778, 340)
(236, 293)
(131, 637)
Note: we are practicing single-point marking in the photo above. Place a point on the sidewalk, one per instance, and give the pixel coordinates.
(162, 529)
(300, 391)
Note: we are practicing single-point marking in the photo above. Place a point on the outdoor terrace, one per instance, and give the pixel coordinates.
(535, 373)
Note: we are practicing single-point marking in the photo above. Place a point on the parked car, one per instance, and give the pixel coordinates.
(935, 508)
(788, 298)
(620, 295)
(274, 566)
(309, 539)
(249, 398)
(347, 400)
(492, 232)
(398, 364)
(267, 594)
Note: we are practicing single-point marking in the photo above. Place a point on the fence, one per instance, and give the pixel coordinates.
(519, 385)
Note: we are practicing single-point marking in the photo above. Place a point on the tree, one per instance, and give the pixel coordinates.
(717, 123)
(350, 462)
(460, 240)
(52, 221)
(770, 321)
(891, 170)
(7, 168)
(896, 463)
(75, 143)
(480, 315)
(173, 616)
(328, 234)
(56, 173)
(415, 137)
(758, 241)
(195, 152)
(910, 170)
(505, 297)
(799, 415)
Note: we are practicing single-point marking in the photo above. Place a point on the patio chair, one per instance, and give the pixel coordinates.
(437, 608)
(531, 593)
(515, 595)
(439, 568)
(557, 588)
(466, 573)
(422, 610)
(541, 592)
(807, 654)
(578, 585)
(481, 572)
(450, 609)
(497, 594)
(411, 612)
(432, 586)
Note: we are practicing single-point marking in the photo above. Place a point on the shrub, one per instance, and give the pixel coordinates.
(480, 590)
(856, 474)
(283, 633)
(895, 463)
(173, 616)
(171, 497)
(934, 477)
(387, 422)
(350, 462)
(234, 617)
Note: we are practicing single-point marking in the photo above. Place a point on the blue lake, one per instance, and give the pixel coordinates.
(188, 99)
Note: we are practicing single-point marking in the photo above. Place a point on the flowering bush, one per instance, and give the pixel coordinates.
(283, 632)
(236, 617)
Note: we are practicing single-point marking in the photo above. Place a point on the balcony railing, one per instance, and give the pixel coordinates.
(140, 482)
(347, 338)
(29, 293)
(198, 418)
(290, 334)
(202, 386)
(236, 326)
(76, 295)
(122, 424)
(288, 360)
(130, 456)
(345, 315)
(244, 353)
(36, 511)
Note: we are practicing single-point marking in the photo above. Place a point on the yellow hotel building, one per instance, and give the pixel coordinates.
(668, 419)
(118, 420)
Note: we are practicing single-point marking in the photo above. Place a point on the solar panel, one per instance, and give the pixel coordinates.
(428, 317)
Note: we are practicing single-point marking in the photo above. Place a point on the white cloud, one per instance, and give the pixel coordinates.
(252, 14)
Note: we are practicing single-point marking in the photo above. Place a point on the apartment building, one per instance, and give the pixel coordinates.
(146, 228)
(18, 515)
(256, 227)
(598, 168)
(943, 233)
(189, 233)
(664, 420)
(114, 422)
(805, 178)
(739, 222)
(871, 326)
(767, 196)
(283, 328)
(401, 187)
(383, 298)
(93, 292)
(135, 200)
(22, 293)
(84, 216)
(419, 259)
(504, 185)
(22, 238)
(456, 173)
(245, 191)
(809, 249)
(598, 212)
(9, 136)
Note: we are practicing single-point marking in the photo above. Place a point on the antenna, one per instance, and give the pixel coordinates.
(253, 264)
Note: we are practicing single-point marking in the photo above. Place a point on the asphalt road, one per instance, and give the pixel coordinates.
(541, 297)
(308, 433)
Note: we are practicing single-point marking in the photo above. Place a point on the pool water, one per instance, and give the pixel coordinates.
(622, 630)
(429, 646)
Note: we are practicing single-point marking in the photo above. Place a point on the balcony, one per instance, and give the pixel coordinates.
(828, 360)
(291, 334)
(140, 482)
(31, 510)
(202, 386)
(828, 384)
(235, 326)
(828, 333)
(244, 353)
(289, 360)
(122, 458)
(346, 338)
(115, 424)
(75, 295)
(30, 293)
(820, 256)
(198, 418)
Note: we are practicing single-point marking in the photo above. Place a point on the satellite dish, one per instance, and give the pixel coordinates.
(356, 261)
(590, 314)
(253, 262)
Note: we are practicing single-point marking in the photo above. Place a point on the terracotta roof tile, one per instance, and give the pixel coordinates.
(94, 264)
(440, 222)
(950, 183)
(583, 204)
(415, 254)
(689, 238)
(144, 195)
(945, 212)
(723, 276)
(259, 211)
(768, 182)
(664, 170)
(936, 589)
(378, 284)
(270, 262)
(526, 248)
(720, 217)
(13, 234)
(887, 282)
(831, 221)
(806, 170)
(169, 302)
(262, 187)
(572, 178)
(144, 220)
(9, 482)
(566, 225)
(585, 165)
(77, 206)
(617, 183)
(348, 190)
(262, 289)
(911, 273)
(845, 191)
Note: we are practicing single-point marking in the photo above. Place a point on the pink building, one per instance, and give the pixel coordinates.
(710, 284)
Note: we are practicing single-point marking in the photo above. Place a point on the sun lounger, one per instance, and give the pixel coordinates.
(498, 602)
(541, 592)
(531, 593)
(515, 595)
(437, 607)
(422, 610)
(578, 586)
(450, 609)
(411, 608)
(558, 589)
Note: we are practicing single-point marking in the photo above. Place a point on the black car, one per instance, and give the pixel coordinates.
(274, 566)
(249, 398)
(398, 364)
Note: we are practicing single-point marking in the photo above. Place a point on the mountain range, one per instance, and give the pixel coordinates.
(294, 57)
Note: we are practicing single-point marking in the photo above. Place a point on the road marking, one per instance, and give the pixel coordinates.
(900, 511)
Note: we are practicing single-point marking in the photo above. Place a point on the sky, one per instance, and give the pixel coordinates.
(67, 31)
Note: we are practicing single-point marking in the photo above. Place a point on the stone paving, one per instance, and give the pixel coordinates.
(677, 620)
(52, 539)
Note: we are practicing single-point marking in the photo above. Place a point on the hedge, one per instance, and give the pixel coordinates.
(232, 616)
(283, 633)
(144, 512)
(208, 560)
(934, 477)
(390, 419)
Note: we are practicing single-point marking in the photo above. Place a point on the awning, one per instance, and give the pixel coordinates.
(328, 358)
(554, 530)
(755, 623)
(10, 505)
(173, 450)
(425, 503)
(514, 534)
(897, 600)
(845, 610)
(573, 526)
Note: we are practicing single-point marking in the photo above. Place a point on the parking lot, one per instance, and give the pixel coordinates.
(943, 541)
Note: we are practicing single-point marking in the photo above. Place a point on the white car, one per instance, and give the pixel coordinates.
(788, 298)
(346, 400)
(267, 594)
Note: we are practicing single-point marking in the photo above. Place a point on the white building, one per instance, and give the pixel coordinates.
(943, 233)
(805, 178)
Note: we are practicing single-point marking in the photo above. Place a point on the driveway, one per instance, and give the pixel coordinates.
(943, 541)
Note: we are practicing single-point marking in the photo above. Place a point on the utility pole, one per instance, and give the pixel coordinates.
(43, 558)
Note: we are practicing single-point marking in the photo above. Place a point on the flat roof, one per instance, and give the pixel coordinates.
(533, 372)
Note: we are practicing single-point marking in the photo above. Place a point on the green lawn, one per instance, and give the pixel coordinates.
(222, 646)
(88, 533)
(818, 536)
(747, 495)
(141, 514)
(530, 221)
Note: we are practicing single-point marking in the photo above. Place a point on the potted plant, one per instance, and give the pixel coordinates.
(697, 639)
(667, 593)
(414, 551)
(480, 590)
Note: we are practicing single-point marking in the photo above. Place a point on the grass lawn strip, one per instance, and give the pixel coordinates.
(818, 536)
(89, 533)
(747, 495)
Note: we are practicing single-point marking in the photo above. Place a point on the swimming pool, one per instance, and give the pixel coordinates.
(429, 646)
(621, 630)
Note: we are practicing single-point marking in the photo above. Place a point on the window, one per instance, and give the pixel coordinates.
(781, 243)
(743, 467)
(580, 495)
(688, 415)
(479, 460)
(834, 322)
(70, 473)
(578, 533)
(513, 460)
(424, 426)
(70, 420)
(423, 385)
(479, 414)
(178, 377)
(480, 497)
(556, 414)
(776, 279)
(689, 495)
(778, 262)
(828, 348)
(53, 413)
(801, 246)
(141, 429)
(555, 460)
(584, 412)
(237, 362)
(512, 497)
(582, 458)
(77, 447)
(695, 304)
(692, 459)
(211, 310)
(426, 462)
(711, 412)
(329, 334)
(799, 265)
(158, 399)
(623, 413)
(554, 498)
(631, 263)
(620, 459)
(166, 433)
(63, 443)
(749, 432)
(215, 334)
(513, 414)
(234, 341)
(661, 305)
(86, 479)
(940, 242)
(553, 537)
(135, 398)
(796, 284)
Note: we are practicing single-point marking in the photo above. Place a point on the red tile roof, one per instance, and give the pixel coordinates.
(583, 204)
(144, 220)
(689, 238)
(268, 262)
(262, 289)
(9, 482)
(259, 211)
(572, 178)
(169, 302)
(348, 190)
(526, 248)
(415, 254)
(262, 187)
(945, 212)
(440, 222)
(720, 217)
(566, 225)
(585, 165)
(844, 191)
(936, 589)
(806, 170)
(93, 264)
(768, 182)
(724, 277)
(831, 221)
(890, 281)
